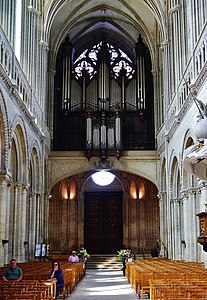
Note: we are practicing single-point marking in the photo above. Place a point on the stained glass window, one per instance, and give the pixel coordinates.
(119, 61)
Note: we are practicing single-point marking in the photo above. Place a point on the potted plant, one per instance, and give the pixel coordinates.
(123, 253)
(82, 252)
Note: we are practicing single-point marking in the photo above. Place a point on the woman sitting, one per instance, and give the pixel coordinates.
(57, 273)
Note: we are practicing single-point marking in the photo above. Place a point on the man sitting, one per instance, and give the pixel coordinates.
(13, 272)
(73, 257)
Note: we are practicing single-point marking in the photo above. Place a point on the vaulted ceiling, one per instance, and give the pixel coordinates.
(119, 21)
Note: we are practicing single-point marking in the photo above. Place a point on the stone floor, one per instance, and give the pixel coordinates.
(103, 285)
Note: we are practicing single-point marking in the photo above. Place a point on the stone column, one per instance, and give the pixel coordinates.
(22, 233)
(42, 84)
(166, 60)
(38, 213)
(16, 220)
(170, 228)
(32, 224)
(46, 218)
(50, 97)
(7, 255)
(3, 215)
(193, 220)
(177, 227)
(173, 233)
(185, 227)
(157, 105)
(163, 223)
(126, 216)
(80, 201)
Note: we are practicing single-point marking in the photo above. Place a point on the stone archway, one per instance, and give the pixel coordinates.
(139, 217)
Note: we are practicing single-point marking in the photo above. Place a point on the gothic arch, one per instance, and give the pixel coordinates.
(19, 142)
(175, 179)
(72, 211)
(130, 15)
(163, 176)
(188, 179)
(85, 166)
(34, 170)
(17, 192)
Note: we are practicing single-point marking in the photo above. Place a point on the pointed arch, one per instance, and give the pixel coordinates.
(34, 170)
(175, 179)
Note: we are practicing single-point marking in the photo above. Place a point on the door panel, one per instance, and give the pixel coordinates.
(103, 222)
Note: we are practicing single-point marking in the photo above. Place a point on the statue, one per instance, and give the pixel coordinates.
(195, 156)
(194, 159)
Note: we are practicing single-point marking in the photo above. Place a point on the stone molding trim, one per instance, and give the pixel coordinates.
(14, 94)
(6, 133)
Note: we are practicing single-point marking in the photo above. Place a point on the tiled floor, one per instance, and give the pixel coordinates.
(103, 285)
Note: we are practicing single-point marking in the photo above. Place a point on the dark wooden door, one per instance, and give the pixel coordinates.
(103, 222)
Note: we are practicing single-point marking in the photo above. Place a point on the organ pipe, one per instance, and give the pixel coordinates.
(89, 132)
(103, 84)
(118, 130)
(140, 65)
(84, 91)
(123, 91)
(67, 69)
(103, 130)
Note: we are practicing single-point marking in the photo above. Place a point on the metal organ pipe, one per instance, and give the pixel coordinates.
(103, 93)
(103, 136)
(123, 91)
(103, 130)
(101, 84)
(140, 59)
(84, 91)
(89, 132)
(118, 131)
(66, 84)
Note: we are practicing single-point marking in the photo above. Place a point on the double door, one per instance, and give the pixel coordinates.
(103, 227)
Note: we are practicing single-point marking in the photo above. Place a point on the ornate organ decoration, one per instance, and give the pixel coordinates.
(102, 91)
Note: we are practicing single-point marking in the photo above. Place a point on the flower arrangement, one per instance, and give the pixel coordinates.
(83, 252)
(123, 253)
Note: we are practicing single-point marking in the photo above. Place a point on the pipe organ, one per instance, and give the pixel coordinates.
(104, 93)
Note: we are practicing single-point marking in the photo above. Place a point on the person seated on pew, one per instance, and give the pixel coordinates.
(57, 273)
(73, 257)
(13, 272)
(129, 258)
(83, 259)
(154, 251)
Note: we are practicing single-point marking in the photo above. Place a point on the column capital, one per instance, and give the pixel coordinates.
(52, 71)
(33, 11)
(193, 191)
(5, 177)
(164, 45)
(174, 9)
(177, 200)
(203, 185)
(155, 71)
(161, 195)
(44, 45)
(184, 194)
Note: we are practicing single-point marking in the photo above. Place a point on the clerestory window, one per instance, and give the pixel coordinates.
(87, 62)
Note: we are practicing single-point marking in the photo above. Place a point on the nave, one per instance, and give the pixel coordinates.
(103, 284)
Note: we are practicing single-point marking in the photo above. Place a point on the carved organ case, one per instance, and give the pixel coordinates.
(103, 99)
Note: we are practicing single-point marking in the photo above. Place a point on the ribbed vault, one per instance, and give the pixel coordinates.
(87, 20)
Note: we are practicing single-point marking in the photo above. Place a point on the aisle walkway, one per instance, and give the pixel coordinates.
(103, 285)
